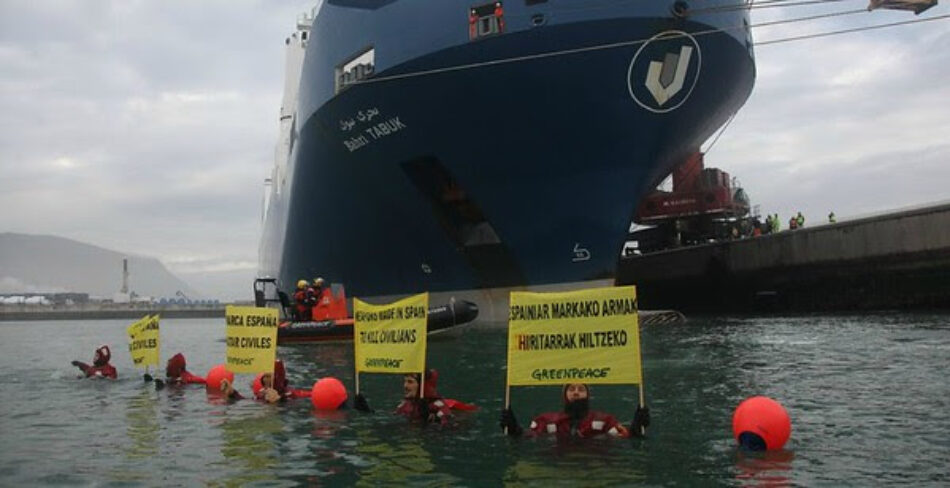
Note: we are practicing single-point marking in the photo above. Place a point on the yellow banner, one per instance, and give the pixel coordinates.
(251, 339)
(391, 338)
(143, 341)
(587, 336)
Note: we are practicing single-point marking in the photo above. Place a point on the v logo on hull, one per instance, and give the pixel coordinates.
(665, 79)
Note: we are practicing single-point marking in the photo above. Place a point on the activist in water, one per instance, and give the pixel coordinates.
(427, 406)
(177, 374)
(274, 387)
(227, 392)
(100, 364)
(577, 419)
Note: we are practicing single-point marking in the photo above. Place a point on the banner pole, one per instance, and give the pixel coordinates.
(508, 364)
(356, 349)
(641, 386)
(507, 399)
(643, 430)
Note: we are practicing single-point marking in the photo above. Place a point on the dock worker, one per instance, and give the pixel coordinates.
(831, 218)
(576, 419)
(303, 302)
(800, 219)
(427, 406)
(792, 223)
(100, 364)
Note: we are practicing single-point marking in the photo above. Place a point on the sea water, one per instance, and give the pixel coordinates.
(868, 397)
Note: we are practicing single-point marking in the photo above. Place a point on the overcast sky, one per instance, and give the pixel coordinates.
(149, 126)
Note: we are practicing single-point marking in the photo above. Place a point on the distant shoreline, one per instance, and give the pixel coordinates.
(11, 313)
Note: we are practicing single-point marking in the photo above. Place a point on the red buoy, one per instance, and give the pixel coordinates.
(760, 423)
(328, 394)
(214, 377)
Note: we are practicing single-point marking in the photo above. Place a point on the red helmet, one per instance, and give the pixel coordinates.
(102, 356)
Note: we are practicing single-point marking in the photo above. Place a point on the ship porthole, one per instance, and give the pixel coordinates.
(680, 9)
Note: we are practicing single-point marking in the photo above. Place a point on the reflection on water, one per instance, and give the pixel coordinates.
(866, 394)
(592, 460)
(249, 445)
(401, 458)
(141, 420)
(766, 469)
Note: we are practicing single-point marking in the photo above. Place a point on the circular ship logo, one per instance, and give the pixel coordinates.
(664, 71)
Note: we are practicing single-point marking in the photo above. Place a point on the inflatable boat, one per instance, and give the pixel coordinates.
(332, 322)
(439, 318)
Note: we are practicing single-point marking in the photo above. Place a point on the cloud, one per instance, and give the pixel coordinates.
(141, 125)
(10, 284)
(848, 122)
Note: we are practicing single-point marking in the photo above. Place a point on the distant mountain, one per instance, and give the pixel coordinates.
(42, 263)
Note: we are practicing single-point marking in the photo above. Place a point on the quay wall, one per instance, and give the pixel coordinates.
(39, 312)
(895, 260)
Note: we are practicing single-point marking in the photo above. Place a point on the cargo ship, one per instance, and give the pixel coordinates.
(468, 149)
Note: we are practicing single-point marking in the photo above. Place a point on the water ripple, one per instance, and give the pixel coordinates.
(868, 399)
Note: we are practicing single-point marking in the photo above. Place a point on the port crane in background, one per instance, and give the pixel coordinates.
(704, 205)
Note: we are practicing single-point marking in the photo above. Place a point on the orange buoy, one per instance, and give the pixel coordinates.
(328, 394)
(761, 423)
(214, 377)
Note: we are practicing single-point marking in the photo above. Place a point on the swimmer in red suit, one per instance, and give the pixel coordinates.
(273, 387)
(176, 374)
(577, 419)
(427, 406)
(100, 364)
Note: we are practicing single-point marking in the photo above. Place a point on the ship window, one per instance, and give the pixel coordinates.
(357, 67)
(534, 2)
(486, 20)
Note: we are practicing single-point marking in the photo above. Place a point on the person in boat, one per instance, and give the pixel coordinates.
(100, 364)
(176, 374)
(273, 387)
(303, 302)
(322, 298)
(427, 405)
(577, 419)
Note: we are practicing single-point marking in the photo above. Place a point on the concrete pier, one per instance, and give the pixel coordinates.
(895, 260)
(91, 312)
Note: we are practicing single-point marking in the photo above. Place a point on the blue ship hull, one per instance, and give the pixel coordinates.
(511, 161)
